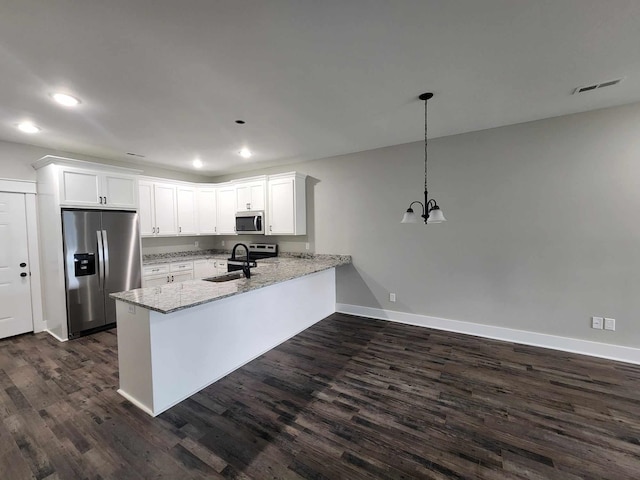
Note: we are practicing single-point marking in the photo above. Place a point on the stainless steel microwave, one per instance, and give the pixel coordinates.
(250, 223)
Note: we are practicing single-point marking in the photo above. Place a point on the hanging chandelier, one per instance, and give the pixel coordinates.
(431, 212)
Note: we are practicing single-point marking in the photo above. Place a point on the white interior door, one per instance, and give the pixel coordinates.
(15, 286)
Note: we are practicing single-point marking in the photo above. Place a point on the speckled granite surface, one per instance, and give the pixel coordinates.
(159, 258)
(178, 296)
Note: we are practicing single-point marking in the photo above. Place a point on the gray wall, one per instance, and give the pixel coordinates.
(542, 228)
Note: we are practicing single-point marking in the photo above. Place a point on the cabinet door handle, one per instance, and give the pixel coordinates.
(172, 278)
(100, 200)
(105, 200)
(248, 206)
(215, 229)
(179, 229)
(22, 265)
(157, 229)
(168, 280)
(271, 228)
(23, 274)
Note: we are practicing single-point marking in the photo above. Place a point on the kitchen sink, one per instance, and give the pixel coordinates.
(225, 278)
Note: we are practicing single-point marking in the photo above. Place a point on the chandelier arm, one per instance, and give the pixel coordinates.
(420, 203)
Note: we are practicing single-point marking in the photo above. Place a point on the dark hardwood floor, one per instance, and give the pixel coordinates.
(349, 398)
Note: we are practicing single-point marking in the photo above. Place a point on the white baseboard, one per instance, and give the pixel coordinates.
(554, 342)
(138, 404)
(60, 339)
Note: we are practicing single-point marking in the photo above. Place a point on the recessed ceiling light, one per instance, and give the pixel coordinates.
(65, 99)
(245, 153)
(198, 163)
(28, 127)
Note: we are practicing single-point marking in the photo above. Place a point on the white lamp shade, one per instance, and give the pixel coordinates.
(409, 217)
(436, 216)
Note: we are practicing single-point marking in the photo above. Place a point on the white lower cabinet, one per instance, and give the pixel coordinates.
(155, 275)
(208, 268)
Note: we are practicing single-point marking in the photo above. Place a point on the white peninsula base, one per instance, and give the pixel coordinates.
(166, 358)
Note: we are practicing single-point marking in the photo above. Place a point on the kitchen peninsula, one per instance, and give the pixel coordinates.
(175, 339)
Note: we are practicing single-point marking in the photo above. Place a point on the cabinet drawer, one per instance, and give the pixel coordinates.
(182, 266)
(154, 270)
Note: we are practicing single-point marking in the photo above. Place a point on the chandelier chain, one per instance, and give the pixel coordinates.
(425, 146)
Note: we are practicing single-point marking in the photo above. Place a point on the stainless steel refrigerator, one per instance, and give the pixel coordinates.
(102, 256)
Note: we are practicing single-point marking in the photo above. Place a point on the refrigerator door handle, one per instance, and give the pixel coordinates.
(100, 260)
(106, 256)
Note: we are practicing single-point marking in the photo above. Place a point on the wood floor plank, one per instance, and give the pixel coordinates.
(348, 398)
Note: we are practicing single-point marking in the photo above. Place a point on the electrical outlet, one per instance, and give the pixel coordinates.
(223, 243)
(392, 297)
(610, 324)
(132, 309)
(596, 322)
(196, 243)
(306, 246)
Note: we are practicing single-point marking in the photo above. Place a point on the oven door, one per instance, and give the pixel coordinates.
(249, 223)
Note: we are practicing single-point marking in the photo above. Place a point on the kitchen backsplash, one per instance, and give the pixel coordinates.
(168, 245)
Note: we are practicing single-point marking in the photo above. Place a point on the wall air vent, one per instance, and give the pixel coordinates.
(588, 88)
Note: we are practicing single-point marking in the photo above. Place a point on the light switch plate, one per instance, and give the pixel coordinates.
(609, 323)
(597, 322)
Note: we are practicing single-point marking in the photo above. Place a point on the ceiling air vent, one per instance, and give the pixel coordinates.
(588, 88)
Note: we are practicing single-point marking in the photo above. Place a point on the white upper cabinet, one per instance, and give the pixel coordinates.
(206, 210)
(287, 212)
(158, 208)
(186, 209)
(89, 188)
(165, 209)
(180, 208)
(250, 194)
(146, 209)
(226, 208)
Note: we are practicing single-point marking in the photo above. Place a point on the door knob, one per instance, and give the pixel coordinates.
(23, 274)
(23, 264)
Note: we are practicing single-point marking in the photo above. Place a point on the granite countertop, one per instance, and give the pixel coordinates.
(178, 296)
(160, 258)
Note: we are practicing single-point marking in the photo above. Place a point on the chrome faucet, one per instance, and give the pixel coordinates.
(246, 269)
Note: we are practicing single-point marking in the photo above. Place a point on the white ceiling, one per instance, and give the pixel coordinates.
(168, 78)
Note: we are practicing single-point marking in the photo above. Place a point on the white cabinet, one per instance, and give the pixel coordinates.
(206, 210)
(186, 210)
(164, 196)
(287, 212)
(208, 267)
(155, 275)
(88, 188)
(158, 212)
(226, 208)
(221, 266)
(205, 268)
(250, 194)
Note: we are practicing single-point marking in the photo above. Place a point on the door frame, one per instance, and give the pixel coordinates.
(28, 188)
